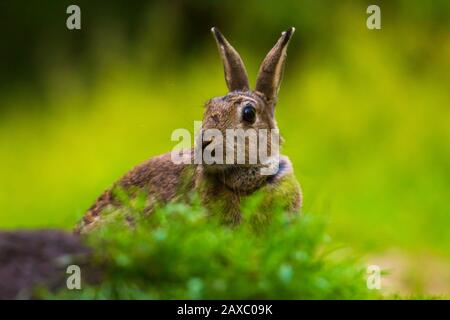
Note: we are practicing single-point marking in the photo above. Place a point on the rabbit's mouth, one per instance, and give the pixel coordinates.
(224, 168)
(218, 156)
(257, 172)
(242, 178)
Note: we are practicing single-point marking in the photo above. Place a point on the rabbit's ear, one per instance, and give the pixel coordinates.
(235, 74)
(271, 70)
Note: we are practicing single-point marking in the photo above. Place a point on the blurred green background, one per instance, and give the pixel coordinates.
(365, 113)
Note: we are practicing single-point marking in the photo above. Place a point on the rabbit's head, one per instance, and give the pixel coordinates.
(242, 108)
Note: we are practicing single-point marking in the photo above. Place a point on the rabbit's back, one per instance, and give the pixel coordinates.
(159, 178)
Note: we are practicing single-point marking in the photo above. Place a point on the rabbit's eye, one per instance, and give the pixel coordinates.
(249, 113)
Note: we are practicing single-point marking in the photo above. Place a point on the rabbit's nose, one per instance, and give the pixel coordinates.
(205, 143)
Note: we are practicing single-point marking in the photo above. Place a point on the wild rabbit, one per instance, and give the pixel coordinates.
(222, 188)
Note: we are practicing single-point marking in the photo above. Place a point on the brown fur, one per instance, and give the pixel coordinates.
(221, 186)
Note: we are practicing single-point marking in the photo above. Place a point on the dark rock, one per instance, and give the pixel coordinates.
(36, 257)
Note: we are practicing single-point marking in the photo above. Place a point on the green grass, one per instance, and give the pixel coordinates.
(180, 253)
